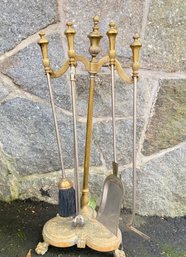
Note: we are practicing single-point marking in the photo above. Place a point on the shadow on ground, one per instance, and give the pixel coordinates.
(21, 225)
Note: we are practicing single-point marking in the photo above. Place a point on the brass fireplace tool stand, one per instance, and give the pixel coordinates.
(85, 227)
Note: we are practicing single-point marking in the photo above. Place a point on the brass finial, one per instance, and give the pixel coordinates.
(95, 37)
(42, 39)
(96, 22)
(112, 25)
(43, 42)
(65, 183)
(70, 28)
(112, 33)
(70, 33)
(136, 45)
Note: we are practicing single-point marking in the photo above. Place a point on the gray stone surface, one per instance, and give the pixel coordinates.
(168, 124)
(128, 19)
(164, 36)
(161, 185)
(20, 19)
(42, 187)
(27, 134)
(45, 187)
(4, 90)
(123, 92)
(26, 70)
(103, 138)
(5, 193)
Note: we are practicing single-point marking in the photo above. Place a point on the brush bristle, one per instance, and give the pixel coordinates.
(67, 202)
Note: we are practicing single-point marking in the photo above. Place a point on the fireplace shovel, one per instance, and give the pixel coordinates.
(109, 210)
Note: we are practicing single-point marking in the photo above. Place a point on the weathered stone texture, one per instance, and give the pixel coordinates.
(45, 187)
(4, 90)
(123, 96)
(164, 37)
(168, 125)
(26, 70)
(103, 138)
(5, 193)
(128, 20)
(161, 185)
(20, 19)
(27, 134)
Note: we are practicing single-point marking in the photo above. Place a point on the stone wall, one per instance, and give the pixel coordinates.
(28, 152)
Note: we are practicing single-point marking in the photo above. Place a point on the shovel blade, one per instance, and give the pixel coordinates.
(109, 210)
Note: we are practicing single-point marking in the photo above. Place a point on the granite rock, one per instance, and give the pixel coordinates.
(26, 70)
(4, 90)
(161, 185)
(45, 187)
(27, 135)
(5, 192)
(167, 126)
(123, 92)
(163, 44)
(102, 135)
(20, 19)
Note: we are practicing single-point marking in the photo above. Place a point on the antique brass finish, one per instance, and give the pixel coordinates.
(123, 75)
(43, 42)
(59, 231)
(95, 37)
(85, 198)
(65, 184)
(136, 45)
(112, 33)
(70, 33)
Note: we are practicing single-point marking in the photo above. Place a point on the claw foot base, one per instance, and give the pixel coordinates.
(42, 248)
(119, 253)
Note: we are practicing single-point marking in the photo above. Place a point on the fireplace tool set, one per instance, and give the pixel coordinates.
(76, 222)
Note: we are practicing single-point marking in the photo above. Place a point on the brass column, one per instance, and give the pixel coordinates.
(95, 37)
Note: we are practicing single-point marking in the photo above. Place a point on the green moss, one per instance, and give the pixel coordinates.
(92, 203)
(169, 251)
(20, 234)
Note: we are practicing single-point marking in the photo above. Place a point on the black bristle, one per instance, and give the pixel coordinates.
(67, 202)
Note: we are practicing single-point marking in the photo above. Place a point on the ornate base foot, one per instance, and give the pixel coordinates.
(42, 248)
(119, 253)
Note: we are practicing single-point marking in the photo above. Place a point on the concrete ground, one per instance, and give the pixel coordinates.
(21, 225)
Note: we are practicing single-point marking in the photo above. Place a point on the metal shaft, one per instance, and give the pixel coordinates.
(113, 113)
(134, 150)
(84, 199)
(76, 164)
(56, 125)
(130, 225)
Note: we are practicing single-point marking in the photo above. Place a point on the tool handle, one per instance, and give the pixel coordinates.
(112, 33)
(76, 163)
(113, 112)
(95, 37)
(56, 125)
(136, 45)
(70, 33)
(43, 43)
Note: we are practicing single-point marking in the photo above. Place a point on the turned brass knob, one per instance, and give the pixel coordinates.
(95, 37)
(112, 33)
(43, 43)
(70, 33)
(136, 45)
